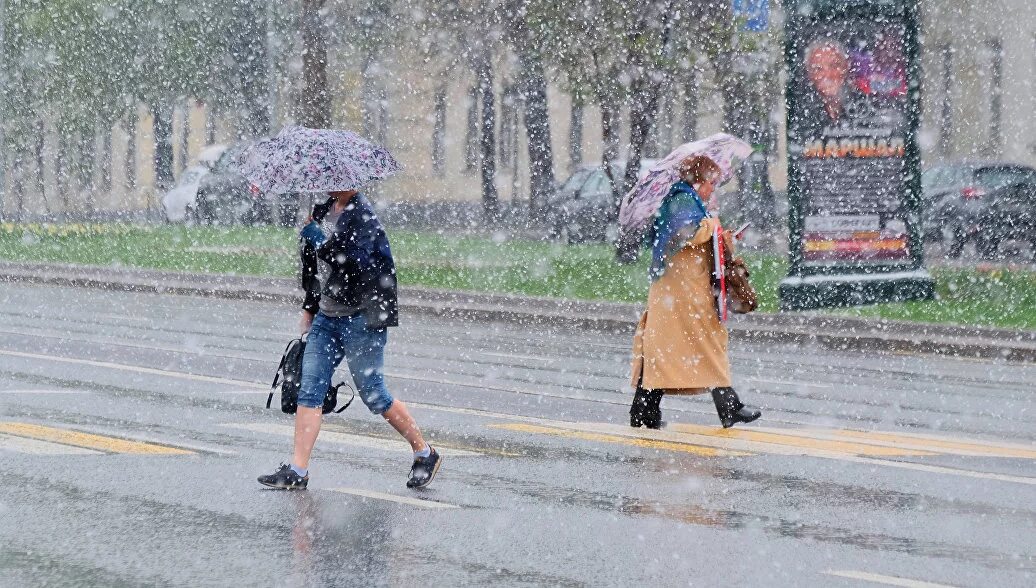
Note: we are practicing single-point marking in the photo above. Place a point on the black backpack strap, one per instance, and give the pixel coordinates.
(350, 399)
(277, 374)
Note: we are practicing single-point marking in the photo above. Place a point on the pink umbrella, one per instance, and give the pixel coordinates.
(641, 203)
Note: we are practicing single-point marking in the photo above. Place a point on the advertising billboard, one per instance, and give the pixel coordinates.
(853, 160)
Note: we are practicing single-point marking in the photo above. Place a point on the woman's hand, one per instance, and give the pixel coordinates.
(305, 322)
(728, 241)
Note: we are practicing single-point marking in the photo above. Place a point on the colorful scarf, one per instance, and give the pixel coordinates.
(675, 223)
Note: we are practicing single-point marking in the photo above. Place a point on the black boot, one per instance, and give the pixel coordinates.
(639, 407)
(730, 409)
(653, 413)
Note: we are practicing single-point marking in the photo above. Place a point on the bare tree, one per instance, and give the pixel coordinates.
(315, 107)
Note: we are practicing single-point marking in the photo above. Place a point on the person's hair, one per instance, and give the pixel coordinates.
(698, 168)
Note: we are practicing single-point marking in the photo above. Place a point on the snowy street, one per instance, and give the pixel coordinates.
(132, 428)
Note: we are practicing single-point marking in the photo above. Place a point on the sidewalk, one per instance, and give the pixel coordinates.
(784, 328)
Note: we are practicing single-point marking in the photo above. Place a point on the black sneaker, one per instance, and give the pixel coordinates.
(285, 478)
(424, 469)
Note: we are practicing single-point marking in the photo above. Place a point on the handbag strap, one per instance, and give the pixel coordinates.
(353, 397)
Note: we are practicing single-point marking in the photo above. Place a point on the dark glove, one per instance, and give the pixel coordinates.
(313, 235)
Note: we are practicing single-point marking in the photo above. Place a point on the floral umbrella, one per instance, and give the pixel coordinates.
(641, 203)
(299, 159)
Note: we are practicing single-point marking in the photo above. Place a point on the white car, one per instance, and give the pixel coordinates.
(180, 200)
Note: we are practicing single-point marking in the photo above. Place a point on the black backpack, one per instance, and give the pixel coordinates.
(289, 375)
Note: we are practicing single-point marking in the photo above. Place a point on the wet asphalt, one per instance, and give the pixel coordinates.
(866, 467)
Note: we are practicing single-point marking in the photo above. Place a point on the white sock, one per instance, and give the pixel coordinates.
(424, 452)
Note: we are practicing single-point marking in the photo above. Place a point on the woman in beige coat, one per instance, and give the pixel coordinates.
(681, 346)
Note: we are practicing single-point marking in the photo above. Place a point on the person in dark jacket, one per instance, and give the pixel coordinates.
(350, 282)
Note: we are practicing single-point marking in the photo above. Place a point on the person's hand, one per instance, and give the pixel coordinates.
(305, 322)
(313, 234)
(728, 241)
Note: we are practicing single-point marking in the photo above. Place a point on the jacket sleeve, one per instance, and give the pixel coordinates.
(704, 232)
(310, 281)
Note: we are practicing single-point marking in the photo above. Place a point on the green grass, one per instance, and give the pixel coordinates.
(969, 297)
(488, 265)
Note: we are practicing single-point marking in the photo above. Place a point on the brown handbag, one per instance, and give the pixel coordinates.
(742, 295)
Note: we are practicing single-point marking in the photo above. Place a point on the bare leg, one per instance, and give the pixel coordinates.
(399, 417)
(307, 427)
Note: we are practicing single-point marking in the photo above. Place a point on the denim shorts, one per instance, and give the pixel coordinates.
(331, 340)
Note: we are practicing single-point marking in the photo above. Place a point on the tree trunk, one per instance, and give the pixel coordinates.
(575, 137)
(106, 157)
(210, 124)
(63, 167)
(87, 165)
(131, 149)
(508, 125)
(439, 132)
(471, 136)
(251, 65)
(315, 110)
(368, 98)
(18, 184)
(163, 134)
(537, 128)
(487, 142)
(185, 134)
(689, 122)
(611, 129)
(40, 155)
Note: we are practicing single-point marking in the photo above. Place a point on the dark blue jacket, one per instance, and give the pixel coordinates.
(362, 270)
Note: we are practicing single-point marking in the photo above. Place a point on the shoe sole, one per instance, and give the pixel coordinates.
(276, 487)
(435, 470)
(727, 425)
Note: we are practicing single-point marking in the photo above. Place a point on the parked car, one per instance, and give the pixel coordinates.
(225, 197)
(1007, 213)
(956, 198)
(584, 207)
(179, 202)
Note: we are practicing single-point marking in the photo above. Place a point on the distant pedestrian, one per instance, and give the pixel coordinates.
(681, 346)
(347, 318)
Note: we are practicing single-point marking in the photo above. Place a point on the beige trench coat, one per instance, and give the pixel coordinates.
(681, 345)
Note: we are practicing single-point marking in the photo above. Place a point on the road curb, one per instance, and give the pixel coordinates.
(805, 329)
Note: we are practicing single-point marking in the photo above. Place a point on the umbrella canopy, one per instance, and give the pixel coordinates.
(639, 206)
(315, 160)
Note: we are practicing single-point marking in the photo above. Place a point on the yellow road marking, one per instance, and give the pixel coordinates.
(87, 440)
(634, 441)
(797, 441)
(941, 445)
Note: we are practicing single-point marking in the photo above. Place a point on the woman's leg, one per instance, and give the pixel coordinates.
(399, 417)
(365, 352)
(323, 354)
(730, 408)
